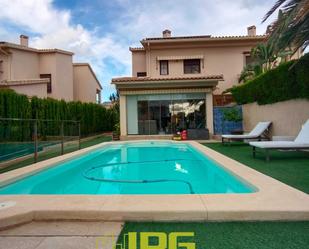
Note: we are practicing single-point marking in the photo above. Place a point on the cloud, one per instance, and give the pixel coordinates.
(128, 22)
(53, 28)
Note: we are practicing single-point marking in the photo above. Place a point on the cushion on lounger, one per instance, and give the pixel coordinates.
(303, 136)
(260, 128)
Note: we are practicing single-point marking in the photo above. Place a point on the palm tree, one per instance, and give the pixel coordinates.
(249, 72)
(264, 56)
(291, 29)
(263, 60)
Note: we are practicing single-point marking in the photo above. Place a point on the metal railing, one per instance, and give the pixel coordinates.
(6, 124)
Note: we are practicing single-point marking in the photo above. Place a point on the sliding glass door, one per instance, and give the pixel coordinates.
(169, 113)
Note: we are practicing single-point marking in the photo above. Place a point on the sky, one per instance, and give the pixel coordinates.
(100, 32)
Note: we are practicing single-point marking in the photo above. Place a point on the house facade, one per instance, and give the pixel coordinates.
(176, 79)
(46, 73)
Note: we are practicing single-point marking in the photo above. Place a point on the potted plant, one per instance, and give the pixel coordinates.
(116, 132)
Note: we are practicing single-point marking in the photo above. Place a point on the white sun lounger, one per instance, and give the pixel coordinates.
(260, 131)
(301, 142)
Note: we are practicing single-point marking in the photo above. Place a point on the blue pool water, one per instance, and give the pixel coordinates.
(133, 168)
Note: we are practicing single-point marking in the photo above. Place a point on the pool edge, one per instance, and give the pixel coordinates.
(274, 200)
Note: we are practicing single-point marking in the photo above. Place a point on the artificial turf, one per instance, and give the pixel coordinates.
(289, 167)
(232, 235)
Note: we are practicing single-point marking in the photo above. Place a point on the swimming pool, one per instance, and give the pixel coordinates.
(151, 167)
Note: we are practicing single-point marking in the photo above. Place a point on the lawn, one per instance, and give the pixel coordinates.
(289, 167)
(230, 235)
(56, 152)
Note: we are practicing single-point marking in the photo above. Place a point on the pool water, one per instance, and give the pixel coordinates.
(133, 168)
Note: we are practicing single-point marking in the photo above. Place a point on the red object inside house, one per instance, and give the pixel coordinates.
(184, 135)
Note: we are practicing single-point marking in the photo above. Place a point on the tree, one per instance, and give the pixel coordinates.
(291, 29)
(263, 60)
(264, 56)
(114, 97)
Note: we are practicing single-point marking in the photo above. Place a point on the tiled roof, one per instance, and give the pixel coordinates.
(205, 37)
(24, 82)
(17, 46)
(55, 50)
(149, 79)
(136, 49)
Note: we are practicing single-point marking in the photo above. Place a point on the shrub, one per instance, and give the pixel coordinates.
(94, 118)
(287, 81)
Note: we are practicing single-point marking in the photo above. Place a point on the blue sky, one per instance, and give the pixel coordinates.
(101, 31)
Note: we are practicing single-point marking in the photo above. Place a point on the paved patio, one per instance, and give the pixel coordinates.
(61, 235)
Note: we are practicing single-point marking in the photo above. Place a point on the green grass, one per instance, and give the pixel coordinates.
(56, 152)
(233, 235)
(289, 167)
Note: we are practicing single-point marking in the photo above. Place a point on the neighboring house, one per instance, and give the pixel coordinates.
(174, 79)
(46, 73)
(87, 87)
(108, 104)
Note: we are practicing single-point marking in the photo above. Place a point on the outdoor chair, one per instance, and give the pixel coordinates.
(301, 142)
(260, 132)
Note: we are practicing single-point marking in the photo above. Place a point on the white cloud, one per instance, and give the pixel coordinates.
(135, 20)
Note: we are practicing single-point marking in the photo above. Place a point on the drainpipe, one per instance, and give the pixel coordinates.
(148, 66)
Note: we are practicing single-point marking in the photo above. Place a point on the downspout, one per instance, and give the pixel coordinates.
(148, 66)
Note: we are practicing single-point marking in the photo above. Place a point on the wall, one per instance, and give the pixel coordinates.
(4, 67)
(138, 62)
(85, 85)
(48, 66)
(22, 65)
(287, 116)
(39, 90)
(64, 76)
(228, 61)
(222, 126)
(61, 68)
(123, 115)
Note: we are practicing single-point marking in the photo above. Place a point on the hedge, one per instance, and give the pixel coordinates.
(287, 81)
(94, 118)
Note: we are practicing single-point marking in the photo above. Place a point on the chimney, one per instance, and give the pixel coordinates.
(24, 40)
(167, 33)
(251, 31)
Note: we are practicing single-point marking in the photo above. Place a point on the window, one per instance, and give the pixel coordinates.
(249, 60)
(164, 67)
(192, 66)
(49, 84)
(98, 96)
(141, 74)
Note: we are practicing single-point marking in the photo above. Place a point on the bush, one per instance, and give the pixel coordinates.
(288, 81)
(94, 118)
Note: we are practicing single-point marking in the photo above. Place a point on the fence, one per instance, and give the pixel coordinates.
(222, 126)
(20, 138)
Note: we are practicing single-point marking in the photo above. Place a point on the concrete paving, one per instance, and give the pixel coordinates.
(61, 235)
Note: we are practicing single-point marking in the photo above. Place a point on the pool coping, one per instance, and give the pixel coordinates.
(274, 200)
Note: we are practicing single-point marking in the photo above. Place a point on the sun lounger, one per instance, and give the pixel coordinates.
(260, 131)
(301, 142)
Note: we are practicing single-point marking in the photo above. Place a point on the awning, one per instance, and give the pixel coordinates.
(180, 57)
